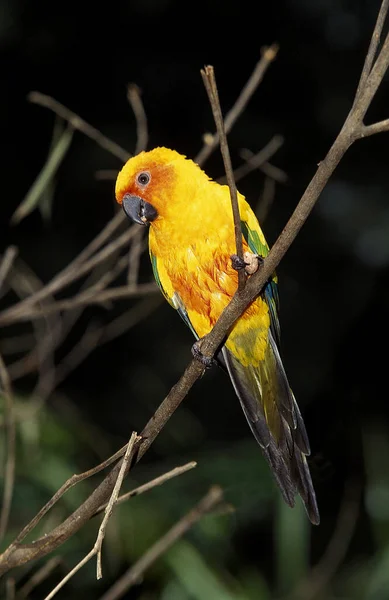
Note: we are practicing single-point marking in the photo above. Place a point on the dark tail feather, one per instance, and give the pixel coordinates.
(287, 454)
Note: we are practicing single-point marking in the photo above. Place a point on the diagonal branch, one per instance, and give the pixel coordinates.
(372, 51)
(77, 123)
(269, 54)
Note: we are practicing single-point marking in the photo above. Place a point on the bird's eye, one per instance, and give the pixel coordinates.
(143, 178)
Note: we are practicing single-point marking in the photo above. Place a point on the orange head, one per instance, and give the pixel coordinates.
(153, 183)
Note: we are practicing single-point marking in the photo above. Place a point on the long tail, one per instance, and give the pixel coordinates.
(276, 422)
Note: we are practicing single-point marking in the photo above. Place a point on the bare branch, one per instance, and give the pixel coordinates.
(142, 134)
(255, 161)
(77, 123)
(89, 298)
(96, 550)
(269, 54)
(266, 199)
(130, 318)
(23, 310)
(152, 484)
(208, 75)
(267, 169)
(136, 572)
(72, 481)
(372, 51)
(9, 470)
(6, 263)
(322, 573)
(379, 127)
(134, 255)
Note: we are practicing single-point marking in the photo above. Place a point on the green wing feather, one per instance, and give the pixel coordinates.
(173, 297)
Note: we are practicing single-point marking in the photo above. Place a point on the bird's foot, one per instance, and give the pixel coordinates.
(253, 262)
(250, 262)
(237, 263)
(206, 361)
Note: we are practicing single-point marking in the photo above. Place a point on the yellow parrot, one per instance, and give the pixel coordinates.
(191, 242)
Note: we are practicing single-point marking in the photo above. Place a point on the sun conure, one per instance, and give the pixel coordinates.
(191, 241)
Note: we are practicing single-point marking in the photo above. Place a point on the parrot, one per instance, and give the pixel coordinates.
(191, 245)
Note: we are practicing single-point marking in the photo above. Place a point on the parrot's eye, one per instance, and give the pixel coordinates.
(143, 178)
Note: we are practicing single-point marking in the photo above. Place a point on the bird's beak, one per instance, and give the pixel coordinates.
(138, 210)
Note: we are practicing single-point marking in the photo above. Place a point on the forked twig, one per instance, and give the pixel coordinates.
(152, 484)
(96, 550)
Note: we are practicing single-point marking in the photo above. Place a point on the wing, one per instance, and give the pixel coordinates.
(257, 244)
(166, 287)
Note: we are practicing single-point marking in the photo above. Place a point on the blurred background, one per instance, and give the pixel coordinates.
(78, 400)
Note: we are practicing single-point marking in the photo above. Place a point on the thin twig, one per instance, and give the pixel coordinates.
(9, 469)
(266, 199)
(130, 318)
(267, 168)
(135, 100)
(78, 123)
(269, 54)
(257, 160)
(7, 261)
(39, 576)
(72, 481)
(96, 550)
(47, 329)
(23, 310)
(10, 588)
(88, 298)
(136, 572)
(134, 254)
(372, 51)
(113, 499)
(208, 75)
(322, 573)
(152, 484)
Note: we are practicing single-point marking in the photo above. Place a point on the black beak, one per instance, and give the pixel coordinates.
(138, 210)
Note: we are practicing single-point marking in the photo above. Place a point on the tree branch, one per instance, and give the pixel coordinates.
(6, 263)
(269, 54)
(77, 123)
(152, 484)
(142, 135)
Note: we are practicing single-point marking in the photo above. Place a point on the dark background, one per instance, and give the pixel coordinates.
(333, 282)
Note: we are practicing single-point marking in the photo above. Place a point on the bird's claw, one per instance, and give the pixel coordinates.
(250, 262)
(206, 361)
(237, 263)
